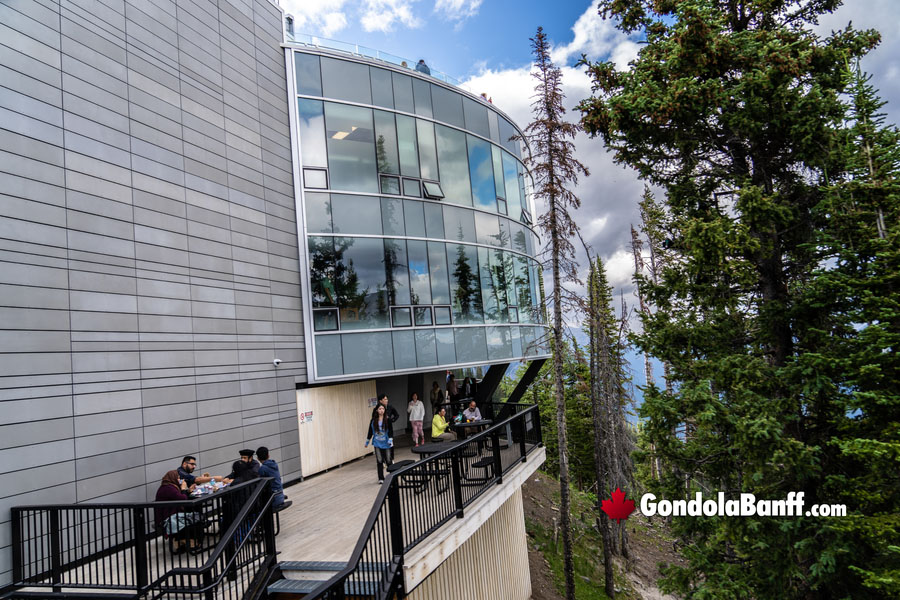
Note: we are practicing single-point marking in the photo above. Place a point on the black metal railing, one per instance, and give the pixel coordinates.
(223, 549)
(420, 498)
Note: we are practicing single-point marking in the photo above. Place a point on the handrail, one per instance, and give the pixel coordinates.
(90, 544)
(390, 493)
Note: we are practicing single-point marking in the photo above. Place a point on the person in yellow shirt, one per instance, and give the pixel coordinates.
(440, 428)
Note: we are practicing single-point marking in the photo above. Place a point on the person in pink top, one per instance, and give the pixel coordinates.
(416, 412)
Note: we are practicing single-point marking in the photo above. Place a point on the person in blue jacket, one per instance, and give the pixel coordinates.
(381, 434)
(269, 468)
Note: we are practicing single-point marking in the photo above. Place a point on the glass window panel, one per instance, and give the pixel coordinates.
(351, 148)
(501, 281)
(535, 293)
(309, 77)
(315, 178)
(471, 345)
(403, 94)
(516, 342)
(422, 97)
(519, 236)
(501, 206)
(437, 268)
(318, 212)
(390, 185)
(325, 320)
(488, 229)
(404, 349)
(414, 215)
(392, 216)
(497, 162)
(476, 117)
(527, 334)
(520, 176)
(507, 277)
(433, 190)
(453, 158)
(464, 284)
(523, 288)
(490, 302)
(386, 154)
(447, 106)
(312, 133)
(423, 315)
(361, 283)
(426, 353)
(499, 343)
(446, 350)
(356, 214)
(396, 270)
(368, 352)
(406, 140)
(434, 220)
(427, 150)
(511, 179)
(459, 224)
(382, 87)
(346, 80)
(507, 131)
(419, 281)
(513, 314)
(504, 232)
(493, 126)
(411, 187)
(401, 316)
(442, 315)
(481, 172)
(322, 259)
(329, 359)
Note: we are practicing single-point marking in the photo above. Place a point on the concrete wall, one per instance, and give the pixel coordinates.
(148, 260)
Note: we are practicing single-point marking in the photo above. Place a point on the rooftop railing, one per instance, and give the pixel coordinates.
(357, 50)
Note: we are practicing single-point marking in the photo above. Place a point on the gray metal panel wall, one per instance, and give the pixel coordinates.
(148, 259)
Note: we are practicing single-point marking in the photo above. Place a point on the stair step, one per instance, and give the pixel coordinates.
(300, 586)
(311, 565)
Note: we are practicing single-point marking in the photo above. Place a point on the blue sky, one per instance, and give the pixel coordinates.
(485, 44)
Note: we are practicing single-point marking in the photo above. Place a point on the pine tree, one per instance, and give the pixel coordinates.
(778, 311)
(555, 169)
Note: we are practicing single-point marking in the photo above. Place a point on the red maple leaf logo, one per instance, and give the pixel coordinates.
(618, 508)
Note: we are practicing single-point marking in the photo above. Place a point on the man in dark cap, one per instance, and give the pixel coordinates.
(247, 457)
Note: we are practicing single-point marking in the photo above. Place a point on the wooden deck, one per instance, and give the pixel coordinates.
(329, 511)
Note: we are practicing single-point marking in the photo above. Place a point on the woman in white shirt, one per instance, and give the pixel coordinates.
(416, 412)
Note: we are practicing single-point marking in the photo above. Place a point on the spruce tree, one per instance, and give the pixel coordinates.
(555, 170)
(778, 309)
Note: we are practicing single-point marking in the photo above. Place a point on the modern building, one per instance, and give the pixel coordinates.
(216, 235)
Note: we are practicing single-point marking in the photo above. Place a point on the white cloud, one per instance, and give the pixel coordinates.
(457, 10)
(596, 38)
(383, 15)
(325, 17)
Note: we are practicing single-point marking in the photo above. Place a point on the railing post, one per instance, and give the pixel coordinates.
(538, 434)
(456, 476)
(141, 566)
(269, 528)
(524, 433)
(16, 516)
(498, 464)
(55, 551)
(395, 519)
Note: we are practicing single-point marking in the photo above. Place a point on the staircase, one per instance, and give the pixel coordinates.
(304, 577)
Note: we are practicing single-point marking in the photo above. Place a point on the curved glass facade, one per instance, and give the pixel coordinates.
(417, 224)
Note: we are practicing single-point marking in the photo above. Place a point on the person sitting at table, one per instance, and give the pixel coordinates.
(247, 456)
(440, 428)
(186, 470)
(177, 525)
(381, 434)
(472, 413)
(269, 468)
(241, 472)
